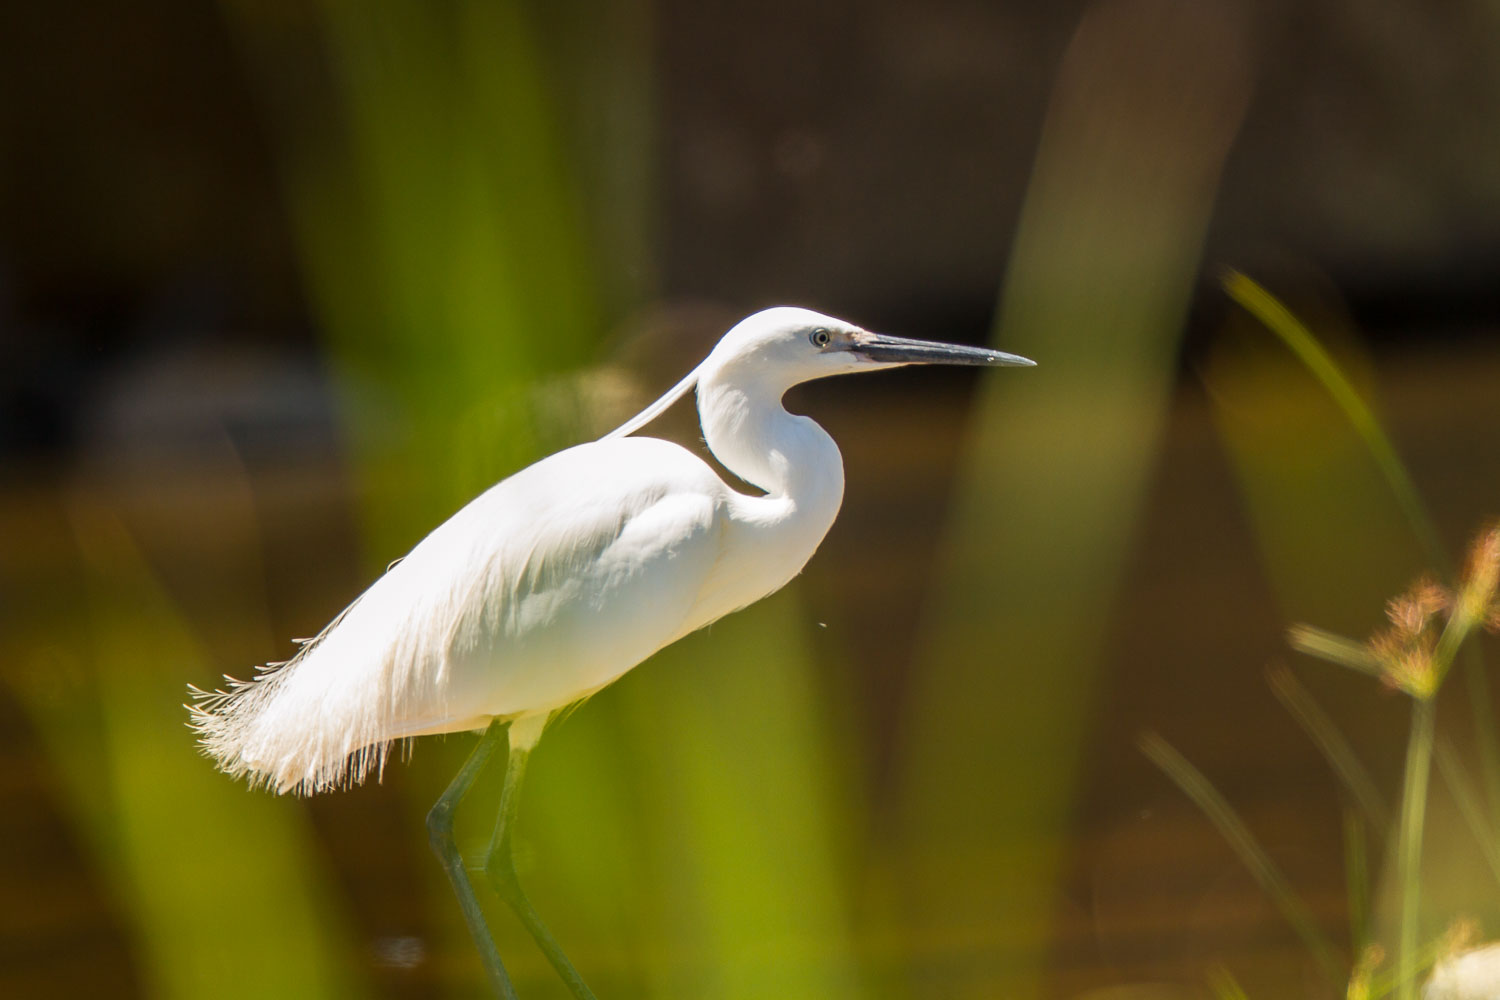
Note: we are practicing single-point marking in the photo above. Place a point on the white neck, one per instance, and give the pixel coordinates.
(789, 456)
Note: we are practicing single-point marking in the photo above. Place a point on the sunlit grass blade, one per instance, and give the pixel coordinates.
(1048, 495)
(1280, 321)
(1299, 339)
(1224, 986)
(442, 227)
(1251, 854)
(196, 862)
(1299, 702)
(758, 907)
(1334, 648)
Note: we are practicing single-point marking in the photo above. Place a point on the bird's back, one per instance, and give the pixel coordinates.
(540, 591)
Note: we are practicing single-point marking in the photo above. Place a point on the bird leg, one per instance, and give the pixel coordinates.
(500, 867)
(440, 834)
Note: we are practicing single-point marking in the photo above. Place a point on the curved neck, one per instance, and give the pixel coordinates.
(753, 436)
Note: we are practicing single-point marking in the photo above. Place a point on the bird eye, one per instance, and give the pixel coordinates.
(820, 337)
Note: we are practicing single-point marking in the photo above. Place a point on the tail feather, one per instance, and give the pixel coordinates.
(324, 719)
(262, 730)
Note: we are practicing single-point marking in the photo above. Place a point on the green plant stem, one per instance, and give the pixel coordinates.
(1413, 811)
(1254, 857)
(1279, 320)
(1335, 648)
(1443, 654)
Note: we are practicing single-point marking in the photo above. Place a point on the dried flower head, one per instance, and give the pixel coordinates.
(1412, 669)
(1460, 935)
(1364, 971)
(1414, 610)
(1405, 650)
(1428, 625)
(1476, 596)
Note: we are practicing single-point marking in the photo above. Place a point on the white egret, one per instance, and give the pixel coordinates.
(556, 581)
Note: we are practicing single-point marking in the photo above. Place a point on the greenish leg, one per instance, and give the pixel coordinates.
(440, 834)
(500, 866)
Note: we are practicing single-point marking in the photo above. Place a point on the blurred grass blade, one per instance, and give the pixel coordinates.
(1299, 702)
(1357, 879)
(1456, 777)
(1335, 649)
(445, 240)
(1280, 321)
(1300, 340)
(1376, 442)
(1147, 101)
(1224, 986)
(1334, 542)
(439, 225)
(747, 831)
(1383, 984)
(198, 861)
(1254, 857)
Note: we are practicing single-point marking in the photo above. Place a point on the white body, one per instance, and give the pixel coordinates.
(544, 589)
(558, 580)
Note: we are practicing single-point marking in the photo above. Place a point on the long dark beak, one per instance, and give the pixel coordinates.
(902, 351)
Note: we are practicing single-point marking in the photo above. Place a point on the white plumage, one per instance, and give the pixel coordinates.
(559, 579)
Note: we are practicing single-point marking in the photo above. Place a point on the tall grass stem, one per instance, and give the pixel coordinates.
(1251, 854)
(1409, 863)
(1320, 728)
(1299, 339)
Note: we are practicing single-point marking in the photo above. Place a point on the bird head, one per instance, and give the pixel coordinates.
(788, 345)
(778, 348)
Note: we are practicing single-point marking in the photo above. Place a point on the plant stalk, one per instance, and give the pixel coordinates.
(1413, 810)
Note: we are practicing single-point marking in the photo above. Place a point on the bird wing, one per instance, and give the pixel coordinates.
(604, 574)
(540, 591)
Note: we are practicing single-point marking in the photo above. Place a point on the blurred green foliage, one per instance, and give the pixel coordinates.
(705, 827)
(1052, 487)
(204, 870)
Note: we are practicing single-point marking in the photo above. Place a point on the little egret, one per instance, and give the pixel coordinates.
(554, 583)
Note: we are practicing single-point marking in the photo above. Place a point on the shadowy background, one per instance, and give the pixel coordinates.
(284, 283)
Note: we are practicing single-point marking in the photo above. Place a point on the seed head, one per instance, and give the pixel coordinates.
(1476, 596)
(1414, 610)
